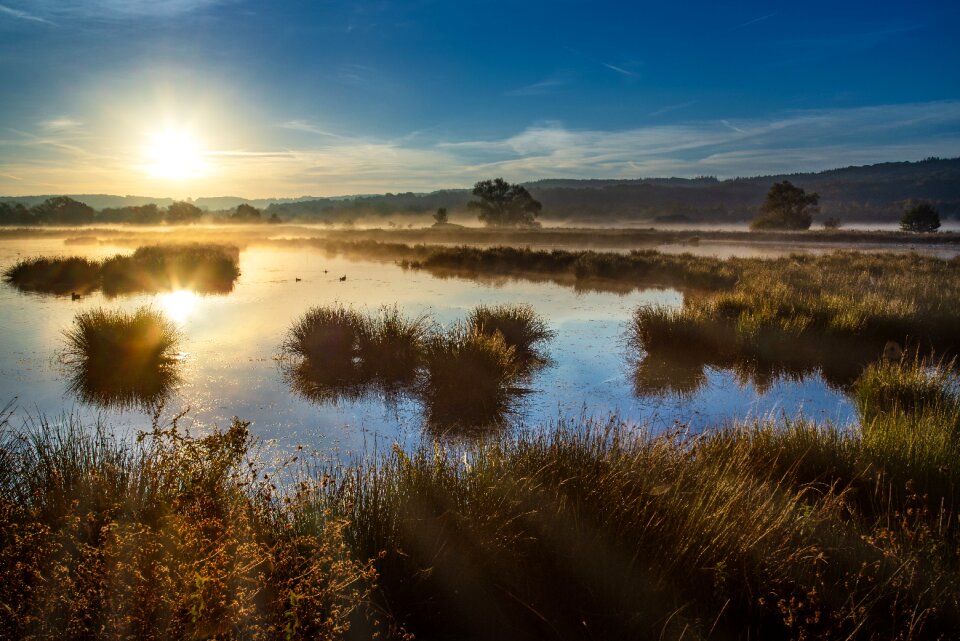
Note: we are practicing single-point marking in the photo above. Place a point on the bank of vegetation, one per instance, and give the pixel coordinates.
(585, 530)
(204, 268)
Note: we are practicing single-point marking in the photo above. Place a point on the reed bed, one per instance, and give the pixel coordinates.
(205, 268)
(587, 529)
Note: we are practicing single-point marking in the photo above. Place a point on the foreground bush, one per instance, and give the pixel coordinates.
(169, 538)
(122, 359)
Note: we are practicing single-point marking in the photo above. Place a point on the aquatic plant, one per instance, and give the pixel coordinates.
(328, 337)
(122, 359)
(520, 325)
(471, 379)
(204, 268)
(58, 275)
(391, 346)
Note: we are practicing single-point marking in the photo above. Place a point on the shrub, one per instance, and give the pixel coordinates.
(920, 217)
(391, 346)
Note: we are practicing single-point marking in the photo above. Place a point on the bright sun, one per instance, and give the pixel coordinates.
(175, 155)
(178, 304)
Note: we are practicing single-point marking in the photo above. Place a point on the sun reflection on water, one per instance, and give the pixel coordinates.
(178, 305)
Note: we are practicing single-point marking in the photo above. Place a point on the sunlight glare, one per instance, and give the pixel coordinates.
(178, 305)
(176, 155)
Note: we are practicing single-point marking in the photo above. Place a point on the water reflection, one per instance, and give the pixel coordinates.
(122, 360)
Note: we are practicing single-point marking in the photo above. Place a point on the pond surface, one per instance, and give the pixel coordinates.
(231, 346)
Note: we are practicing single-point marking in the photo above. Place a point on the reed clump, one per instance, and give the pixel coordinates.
(122, 359)
(471, 379)
(521, 327)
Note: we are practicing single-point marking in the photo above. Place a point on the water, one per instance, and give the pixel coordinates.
(231, 347)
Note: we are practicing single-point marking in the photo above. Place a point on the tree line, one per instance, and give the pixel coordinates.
(63, 210)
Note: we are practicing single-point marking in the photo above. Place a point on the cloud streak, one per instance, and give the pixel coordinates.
(22, 15)
(793, 141)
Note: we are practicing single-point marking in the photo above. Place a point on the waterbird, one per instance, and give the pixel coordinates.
(298, 280)
(343, 278)
(74, 296)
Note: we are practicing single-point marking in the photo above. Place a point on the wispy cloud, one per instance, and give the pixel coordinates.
(59, 125)
(545, 86)
(670, 108)
(22, 15)
(107, 9)
(303, 125)
(791, 141)
(620, 70)
(754, 21)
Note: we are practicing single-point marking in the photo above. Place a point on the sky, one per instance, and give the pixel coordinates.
(285, 98)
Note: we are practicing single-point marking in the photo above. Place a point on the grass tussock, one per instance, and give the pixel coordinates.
(467, 377)
(204, 268)
(169, 538)
(122, 359)
(521, 327)
(472, 379)
(59, 275)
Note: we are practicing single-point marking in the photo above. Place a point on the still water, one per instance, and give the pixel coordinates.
(231, 346)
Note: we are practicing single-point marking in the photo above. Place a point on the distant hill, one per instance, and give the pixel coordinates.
(873, 193)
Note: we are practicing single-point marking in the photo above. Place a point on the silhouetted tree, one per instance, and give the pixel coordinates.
(441, 216)
(183, 212)
(63, 210)
(920, 216)
(501, 203)
(831, 222)
(786, 207)
(15, 214)
(246, 212)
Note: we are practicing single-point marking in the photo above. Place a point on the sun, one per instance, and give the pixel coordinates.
(175, 155)
(178, 304)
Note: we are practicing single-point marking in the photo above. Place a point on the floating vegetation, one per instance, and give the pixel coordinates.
(203, 268)
(120, 359)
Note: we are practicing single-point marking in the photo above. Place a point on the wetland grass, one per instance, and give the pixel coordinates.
(774, 530)
(122, 359)
(521, 327)
(170, 537)
(204, 268)
(471, 380)
(584, 530)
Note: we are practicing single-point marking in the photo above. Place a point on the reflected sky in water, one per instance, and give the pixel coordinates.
(231, 344)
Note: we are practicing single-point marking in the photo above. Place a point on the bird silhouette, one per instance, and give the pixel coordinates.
(343, 278)
(74, 296)
(298, 280)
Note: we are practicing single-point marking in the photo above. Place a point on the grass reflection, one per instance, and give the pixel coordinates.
(467, 378)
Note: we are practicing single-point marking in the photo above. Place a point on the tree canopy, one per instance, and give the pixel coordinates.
(787, 207)
(63, 210)
(501, 204)
(920, 217)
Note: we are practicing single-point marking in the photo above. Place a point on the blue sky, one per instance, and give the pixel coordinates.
(286, 98)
